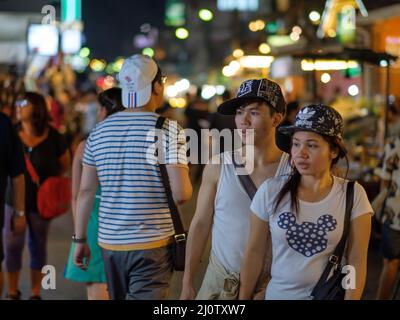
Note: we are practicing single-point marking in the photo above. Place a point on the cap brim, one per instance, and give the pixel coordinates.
(229, 107)
(284, 134)
(136, 99)
(287, 130)
(284, 140)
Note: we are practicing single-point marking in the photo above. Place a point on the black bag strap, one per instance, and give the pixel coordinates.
(176, 219)
(336, 258)
(245, 180)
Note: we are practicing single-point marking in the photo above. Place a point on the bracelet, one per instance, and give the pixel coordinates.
(76, 240)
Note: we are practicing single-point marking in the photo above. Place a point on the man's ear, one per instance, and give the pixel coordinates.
(157, 88)
(277, 119)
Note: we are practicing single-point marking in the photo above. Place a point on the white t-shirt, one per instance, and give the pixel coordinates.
(303, 242)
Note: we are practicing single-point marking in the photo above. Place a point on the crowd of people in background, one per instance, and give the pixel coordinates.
(273, 230)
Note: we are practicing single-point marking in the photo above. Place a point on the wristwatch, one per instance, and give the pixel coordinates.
(76, 240)
(19, 213)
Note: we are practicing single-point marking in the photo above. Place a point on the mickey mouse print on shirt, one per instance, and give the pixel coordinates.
(307, 238)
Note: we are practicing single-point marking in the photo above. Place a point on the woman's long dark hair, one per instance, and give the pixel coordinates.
(292, 184)
(40, 117)
(111, 100)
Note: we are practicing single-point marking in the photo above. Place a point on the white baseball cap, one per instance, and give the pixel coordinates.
(135, 78)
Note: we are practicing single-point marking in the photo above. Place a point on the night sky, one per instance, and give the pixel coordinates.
(109, 25)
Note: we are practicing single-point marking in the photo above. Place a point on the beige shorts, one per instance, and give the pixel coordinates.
(221, 284)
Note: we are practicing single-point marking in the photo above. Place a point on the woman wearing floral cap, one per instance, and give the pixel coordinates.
(304, 213)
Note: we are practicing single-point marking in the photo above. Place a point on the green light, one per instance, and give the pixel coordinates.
(175, 13)
(98, 65)
(117, 65)
(148, 52)
(110, 68)
(206, 15)
(85, 52)
(71, 10)
(182, 33)
(272, 27)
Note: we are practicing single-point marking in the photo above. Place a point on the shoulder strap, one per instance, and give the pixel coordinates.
(245, 180)
(336, 258)
(31, 170)
(176, 219)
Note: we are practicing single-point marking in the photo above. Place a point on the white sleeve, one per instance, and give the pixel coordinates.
(361, 203)
(259, 204)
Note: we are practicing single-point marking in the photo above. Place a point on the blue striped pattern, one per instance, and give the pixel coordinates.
(133, 207)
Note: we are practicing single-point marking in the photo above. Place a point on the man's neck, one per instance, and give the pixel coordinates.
(266, 152)
(266, 155)
(261, 155)
(138, 110)
(149, 107)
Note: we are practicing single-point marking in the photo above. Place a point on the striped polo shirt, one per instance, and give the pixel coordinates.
(134, 212)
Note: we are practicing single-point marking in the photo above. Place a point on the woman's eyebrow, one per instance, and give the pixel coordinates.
(308, 140)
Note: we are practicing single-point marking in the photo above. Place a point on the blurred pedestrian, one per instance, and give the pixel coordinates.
(11, 165)
(221, 122)
(89, 107)
(47, 151)
(95, 275)
(198, 118)
(293, 108)
(389, 216)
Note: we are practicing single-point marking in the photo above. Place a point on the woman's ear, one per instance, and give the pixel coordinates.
(334, 153)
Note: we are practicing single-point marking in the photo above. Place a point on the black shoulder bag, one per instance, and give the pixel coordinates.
(332, 288)
(179, 244)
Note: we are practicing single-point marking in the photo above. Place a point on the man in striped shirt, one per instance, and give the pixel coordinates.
(135, 225)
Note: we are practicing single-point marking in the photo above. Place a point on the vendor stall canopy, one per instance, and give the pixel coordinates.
(359, 54)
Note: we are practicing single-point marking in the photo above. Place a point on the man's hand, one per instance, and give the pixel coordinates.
(82, 256)
(19, 223)
(188, 292)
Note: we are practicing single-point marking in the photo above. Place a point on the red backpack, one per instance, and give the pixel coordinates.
(54, 194)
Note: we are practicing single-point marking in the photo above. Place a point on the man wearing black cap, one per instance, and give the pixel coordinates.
(223, 203)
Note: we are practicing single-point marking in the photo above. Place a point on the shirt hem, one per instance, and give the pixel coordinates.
(137, 246)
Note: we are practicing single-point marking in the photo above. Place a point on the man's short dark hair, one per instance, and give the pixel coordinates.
(157, 78)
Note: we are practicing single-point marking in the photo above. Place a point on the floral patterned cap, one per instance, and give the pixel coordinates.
(317, 118)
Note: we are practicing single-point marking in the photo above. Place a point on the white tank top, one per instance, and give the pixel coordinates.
(231, 227)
